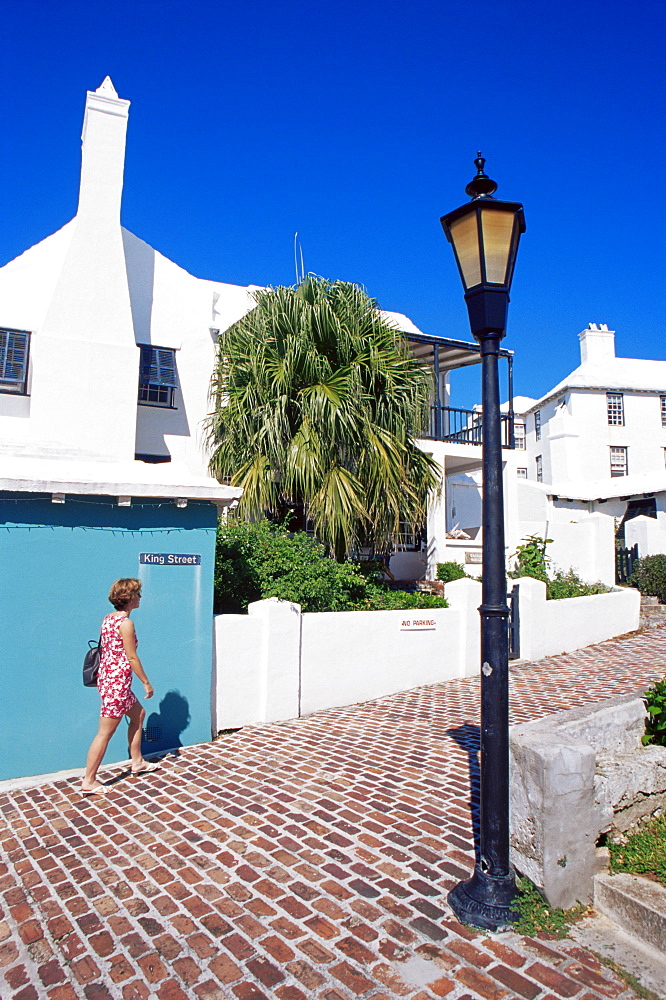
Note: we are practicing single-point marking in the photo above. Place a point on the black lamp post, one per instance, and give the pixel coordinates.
(485, 234)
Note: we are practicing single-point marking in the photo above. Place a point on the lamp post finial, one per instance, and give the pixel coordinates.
(481, 186)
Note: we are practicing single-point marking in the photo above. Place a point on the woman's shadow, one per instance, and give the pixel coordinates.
(162, 729)
(468, 737)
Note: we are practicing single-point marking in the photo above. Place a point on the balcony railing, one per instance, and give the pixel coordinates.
(463, 426)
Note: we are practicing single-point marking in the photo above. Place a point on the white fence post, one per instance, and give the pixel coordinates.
(256, 675)
(281, 656)
(532, 615)
(464, 596)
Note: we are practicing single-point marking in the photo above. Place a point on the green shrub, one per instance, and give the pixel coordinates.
(257, 561)
(569, 584)
(448, 571)
(649, 576)
(386, 599)
(655, 702)
(531, 558)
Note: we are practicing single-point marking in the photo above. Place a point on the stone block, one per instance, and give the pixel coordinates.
(574, 776)
(629, 787)
(554, 816)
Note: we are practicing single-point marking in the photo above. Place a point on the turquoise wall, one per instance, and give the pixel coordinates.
(57, 563)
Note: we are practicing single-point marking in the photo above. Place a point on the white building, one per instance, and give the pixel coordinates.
(106, 351)
(605, 420)
(107, 347)
(589, 463)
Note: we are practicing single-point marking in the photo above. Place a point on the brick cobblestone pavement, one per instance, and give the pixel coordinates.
(304, 859)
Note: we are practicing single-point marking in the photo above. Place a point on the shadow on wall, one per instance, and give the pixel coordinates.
(162, 729)
(468, 737)
(152, 423)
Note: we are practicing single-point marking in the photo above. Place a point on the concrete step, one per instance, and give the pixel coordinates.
(635, 904)
(628, 926)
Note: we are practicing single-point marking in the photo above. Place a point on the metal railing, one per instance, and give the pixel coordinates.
(464, 426)
(625, 559)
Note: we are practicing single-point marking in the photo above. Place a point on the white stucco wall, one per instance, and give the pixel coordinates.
(276, 663)
(171, 308)
(648, 533)
(551, 627)
(582, 538)
(359, 655)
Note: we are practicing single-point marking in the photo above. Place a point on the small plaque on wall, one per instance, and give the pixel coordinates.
(473, 557)
(418, 625)
(168, 559)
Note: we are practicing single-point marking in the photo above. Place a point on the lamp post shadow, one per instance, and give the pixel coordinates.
(468, 738)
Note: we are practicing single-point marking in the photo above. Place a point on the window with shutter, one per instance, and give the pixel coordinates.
(619, 465)
(158, 380)
(14, 346)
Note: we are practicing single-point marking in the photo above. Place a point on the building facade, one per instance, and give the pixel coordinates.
(589, 465)
(106, 351)
(606, 420)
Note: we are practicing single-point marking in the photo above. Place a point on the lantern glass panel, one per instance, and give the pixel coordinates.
(497, 227)
(465, 237)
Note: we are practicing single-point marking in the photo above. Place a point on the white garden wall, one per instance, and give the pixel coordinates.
(649, 533)
(359, 655)
(551, 627)
(277, 663)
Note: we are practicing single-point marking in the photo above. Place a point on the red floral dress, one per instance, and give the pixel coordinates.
(114, 680)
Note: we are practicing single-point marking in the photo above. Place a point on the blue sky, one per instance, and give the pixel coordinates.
(356, 125)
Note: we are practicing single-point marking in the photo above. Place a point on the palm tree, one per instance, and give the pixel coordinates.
(317, 401)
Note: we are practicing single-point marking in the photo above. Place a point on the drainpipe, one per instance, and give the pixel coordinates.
(512, 435)
(438, 396)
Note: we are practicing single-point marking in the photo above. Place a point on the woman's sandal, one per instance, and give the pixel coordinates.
(145, 768)
(97, 790)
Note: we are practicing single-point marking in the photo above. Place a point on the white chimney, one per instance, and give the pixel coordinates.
(103, 155)
(597, 343)
(85, 361)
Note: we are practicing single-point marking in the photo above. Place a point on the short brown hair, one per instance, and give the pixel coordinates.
(123, 591)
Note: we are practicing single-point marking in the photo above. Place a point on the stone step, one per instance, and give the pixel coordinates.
(637, 905)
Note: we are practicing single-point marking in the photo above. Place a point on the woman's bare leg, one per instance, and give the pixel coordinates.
(136, 716)
(107, 728)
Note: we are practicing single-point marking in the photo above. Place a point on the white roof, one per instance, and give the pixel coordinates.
(400, 321)
(609, 488)
(521, 404)
(609, 374)
(133, 479)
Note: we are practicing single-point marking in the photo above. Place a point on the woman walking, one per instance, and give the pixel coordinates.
(118, 662)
